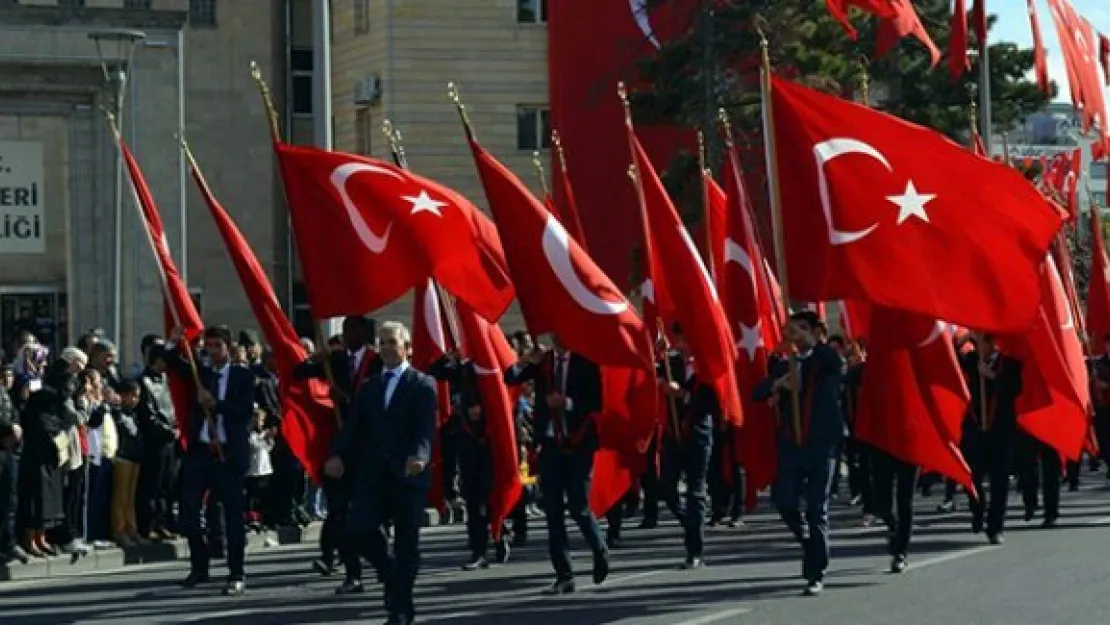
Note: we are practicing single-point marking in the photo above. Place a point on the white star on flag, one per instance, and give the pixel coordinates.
(751, 339)
(911, 203)
(424, 203)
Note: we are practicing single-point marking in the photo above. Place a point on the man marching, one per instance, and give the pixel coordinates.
(568, 392)
(807, 457)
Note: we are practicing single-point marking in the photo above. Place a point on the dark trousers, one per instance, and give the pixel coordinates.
(9, 499)
(894, 486)
(690, 457)
(203, 472)
(157, 473)
(286, 492)
(449, 458)
(807, 473)
(256, 497)
(334, 535)
(990, 455)
(100, 500)
(725, 479)
(519, 515)
(477, 482)
(649, 481)
(861, 473)
(402, 505)
(76, 481)
(566, 475)
(1038, 464)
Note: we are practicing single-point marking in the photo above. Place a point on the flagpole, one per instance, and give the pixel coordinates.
(171, 304)
(542, 175)
(637, 185)
(973, 126)
(557, 143)
(707, 218)
(776, 216)
(275, 138)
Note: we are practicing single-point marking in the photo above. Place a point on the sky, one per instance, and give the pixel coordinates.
(1013, 25)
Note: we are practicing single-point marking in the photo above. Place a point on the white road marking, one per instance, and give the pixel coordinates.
(625, 578)
(715, 617)
(948, 557)
(1102, 521)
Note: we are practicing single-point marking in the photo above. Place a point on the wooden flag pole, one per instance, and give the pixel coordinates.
(542, 175)
(707, 217)
(275, 137)
(776, 214)
(973, 124)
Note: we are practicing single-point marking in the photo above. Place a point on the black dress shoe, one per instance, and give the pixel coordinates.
(400, 619)
(976, 524)
(560, 587)
(235, 588)
(649, 523)
(692, 563)
(995, 538)
(195, 579)
(1029, 514)
(898, 564)
(478, 563)
(1049, 521)
(503, 551)
(601, 566)
(350, 587)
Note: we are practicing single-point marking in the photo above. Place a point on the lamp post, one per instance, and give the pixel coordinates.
(321, 103)
(125, 42)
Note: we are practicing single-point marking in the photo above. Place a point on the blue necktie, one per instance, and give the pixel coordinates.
(387, 377)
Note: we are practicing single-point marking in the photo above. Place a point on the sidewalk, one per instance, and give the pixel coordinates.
(111, 559)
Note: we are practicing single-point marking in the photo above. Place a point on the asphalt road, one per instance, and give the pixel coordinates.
(1038, 576)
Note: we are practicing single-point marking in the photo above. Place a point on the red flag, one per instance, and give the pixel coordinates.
(1098, 289)
(897, 19)
(1104, 56)
(855, 319)
(880, 210)
(1040, 57)
(392, 229)
(560, 289)
(486, 346)
(1085, 78)
(631, 402)
(1055, 396)
(568, 205)
(684, 292)
(979, 22)
(308, 415)
(914, 398)
(883, 9)
(429, 344)
(957, 41)
(180, 311)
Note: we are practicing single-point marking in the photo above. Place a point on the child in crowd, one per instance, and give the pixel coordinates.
(125, 469)
(260, 470)
(103, 443)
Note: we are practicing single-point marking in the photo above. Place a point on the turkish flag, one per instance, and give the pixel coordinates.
(429, 344)
(913, 398)
(1040, 57)
(308, 420)
(179, 309)
(567, 206)
(897, 19)
(1079, 44)
(684, 292)
(1056, 397)
(486, 346)
(743, 282)
(897, 215)
(855, 319)
(388, 229)
(1098, 289)
(957, 41)
(560, 289)
(631, 402)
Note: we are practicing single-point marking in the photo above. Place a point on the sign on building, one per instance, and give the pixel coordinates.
(22, 209)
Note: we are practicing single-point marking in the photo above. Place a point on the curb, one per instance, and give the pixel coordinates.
(178, 549)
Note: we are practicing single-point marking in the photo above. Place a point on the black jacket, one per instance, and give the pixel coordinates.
(583, 388)
(155, 412)
(130, 435)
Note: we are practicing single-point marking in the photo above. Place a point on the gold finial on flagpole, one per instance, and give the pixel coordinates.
(455, 94)
(538, 165)
(267, 101)
(622, 93)
(557, 143)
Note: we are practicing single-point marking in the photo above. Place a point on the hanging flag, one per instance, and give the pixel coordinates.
(1098, 289)
(899, 216)
(1040, 57)
(179, 309)
(390, 229)
(567, 204)
(1085, 78)
(958, 62)
(897, 19)
(1104, 56)
(979, 22)
(429, 344)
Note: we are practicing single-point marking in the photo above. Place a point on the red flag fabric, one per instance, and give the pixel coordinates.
(883, 9)
(392, 229)
(560, 289)
(429, 344)
(1104, 56)
(1040, 57)
(1055, 398)
(979, 22)
(913, 398)
(486, 346)
(684, 292)
(180, 311)
(630, 404)
(965, 243)
(308, 414)
(1085, 78)
(1098, 289)
(568, 206)
(897, 19)
(855, 319)
(957, 41)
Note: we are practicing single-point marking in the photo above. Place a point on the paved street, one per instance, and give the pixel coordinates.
(1038, 576)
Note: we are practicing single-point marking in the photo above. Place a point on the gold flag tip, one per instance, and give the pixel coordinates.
(453, 92)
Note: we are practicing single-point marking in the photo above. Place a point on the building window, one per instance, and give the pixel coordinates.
(531, 11)
(1099, 198)
(533, 127)
(300, 69)
(1098, 170)
(202, 12)
(362, 17)
(197, 295)
(136, 4)
(364, 129)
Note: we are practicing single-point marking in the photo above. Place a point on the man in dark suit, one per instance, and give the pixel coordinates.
(219, 452)
(568, 391)
(158, 423)
(807, 457)
(389, 428)
(351, 367)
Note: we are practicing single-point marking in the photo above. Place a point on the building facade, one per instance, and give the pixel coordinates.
(1059, 129)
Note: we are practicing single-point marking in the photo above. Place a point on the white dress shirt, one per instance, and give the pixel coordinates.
(355, 360)
(393, 378)
(221, 393)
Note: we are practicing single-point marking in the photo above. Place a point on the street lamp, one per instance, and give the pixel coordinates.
(124, 42)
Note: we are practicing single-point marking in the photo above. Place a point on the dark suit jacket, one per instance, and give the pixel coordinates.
(822, 375)
(384, 439)
(347, 381)
(698, 409)
(1002, 392)
(155, 411)
(583, 389)
(237, 408)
